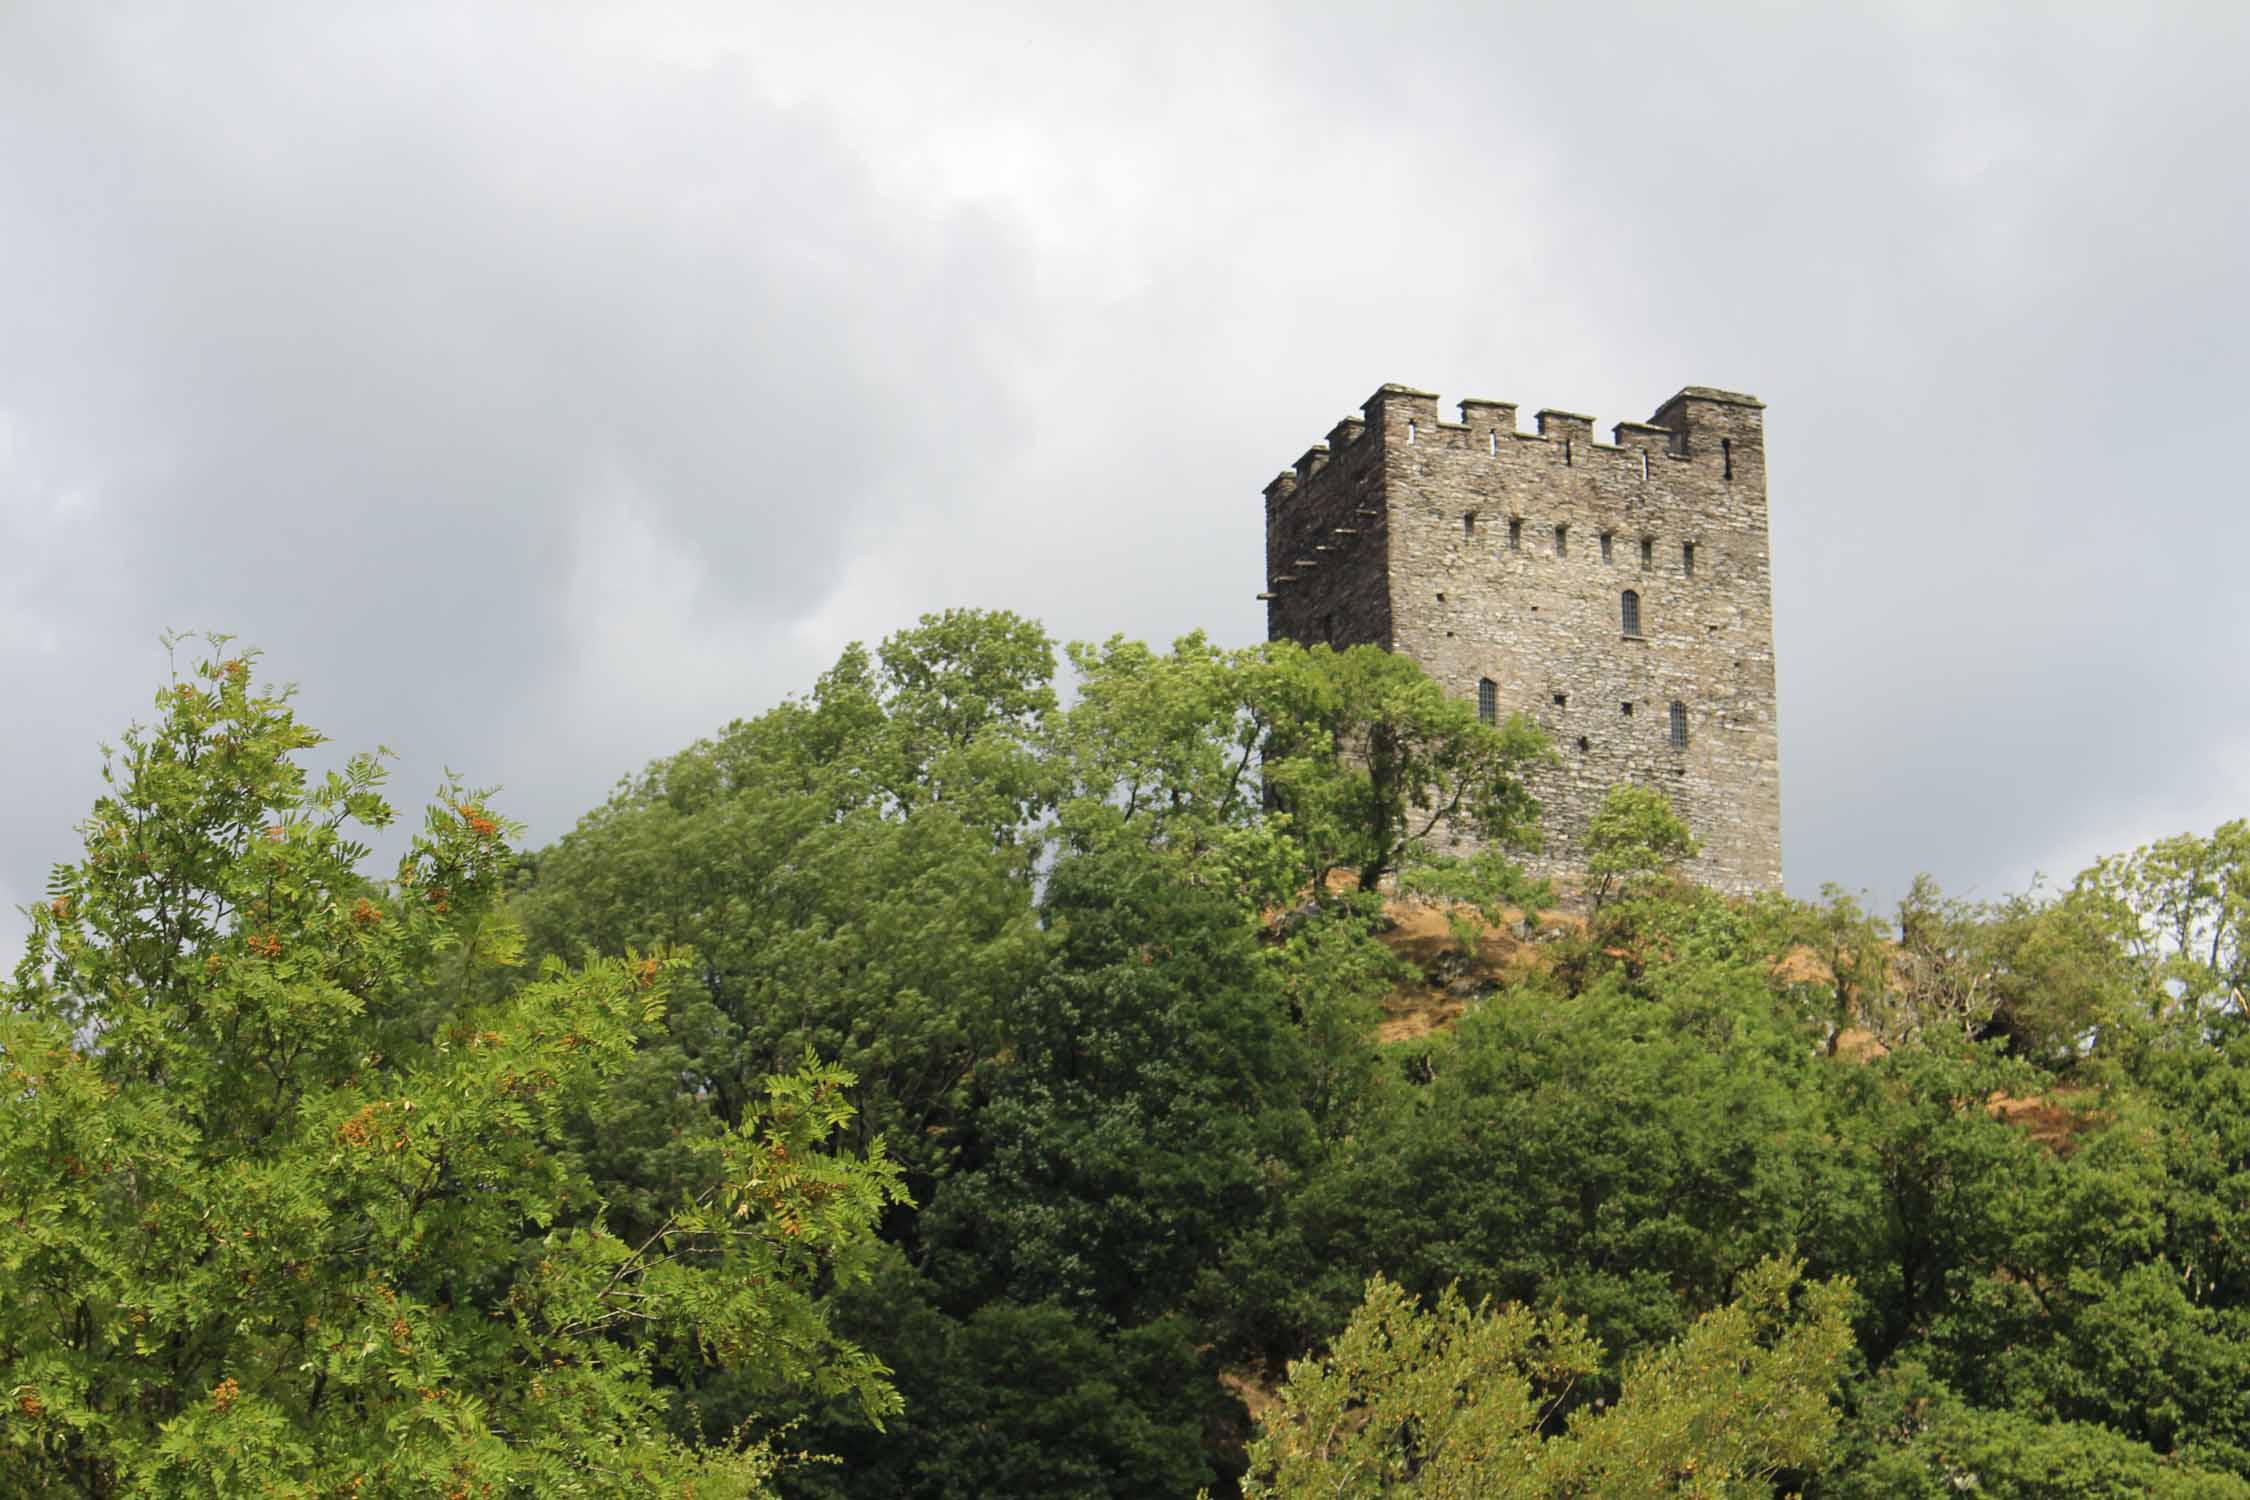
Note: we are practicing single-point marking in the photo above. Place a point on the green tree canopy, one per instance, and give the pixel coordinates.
(1282, 763)
(853, 874)
(2182, 906)
(1461, 1403)
(1627, 1151)
(1634, 832)
(1149, 1105)
(286, 1213)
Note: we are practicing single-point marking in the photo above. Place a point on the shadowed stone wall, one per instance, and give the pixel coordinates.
(1490, 554)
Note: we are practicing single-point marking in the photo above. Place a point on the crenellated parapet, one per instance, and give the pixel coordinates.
(1699, 424)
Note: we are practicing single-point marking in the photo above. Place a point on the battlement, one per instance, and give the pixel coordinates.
(1699, 422)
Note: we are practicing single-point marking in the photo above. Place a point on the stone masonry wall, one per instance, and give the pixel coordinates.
(1439, 539)
(1327, 534)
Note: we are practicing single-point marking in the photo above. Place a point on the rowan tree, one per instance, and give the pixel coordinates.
(284, 1208)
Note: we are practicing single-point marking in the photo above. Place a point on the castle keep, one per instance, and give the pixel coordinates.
(1618, 593)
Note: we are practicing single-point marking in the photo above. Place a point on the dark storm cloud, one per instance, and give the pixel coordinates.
(365, 337)
(544, 386)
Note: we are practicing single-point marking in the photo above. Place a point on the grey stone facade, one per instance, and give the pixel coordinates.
(1492, 555)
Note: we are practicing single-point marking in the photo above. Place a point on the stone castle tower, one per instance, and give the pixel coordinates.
(1618, 593)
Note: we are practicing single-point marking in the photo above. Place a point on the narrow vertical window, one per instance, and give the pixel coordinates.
(1488, 700)
(1515, 535)
(1648, 553)
(1605, 546)
(1410, 432)
(1687, 558)
(1726, 458)
(1562, 541)
(1328, 627)
(1644, 463)
(1492, 440)
(1679, 726)
(1468, 523)
(1629, 612)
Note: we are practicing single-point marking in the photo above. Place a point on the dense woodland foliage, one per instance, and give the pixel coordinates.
(931, 1089)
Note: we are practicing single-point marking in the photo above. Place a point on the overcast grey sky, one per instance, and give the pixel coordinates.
(542, 386)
